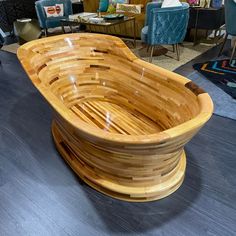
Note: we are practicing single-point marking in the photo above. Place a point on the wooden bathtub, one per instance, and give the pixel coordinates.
(119, 122)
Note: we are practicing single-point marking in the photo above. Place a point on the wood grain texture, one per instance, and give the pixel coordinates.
(40, 195)
(119, 122)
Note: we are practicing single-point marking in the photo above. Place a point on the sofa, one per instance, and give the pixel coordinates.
(125, 30)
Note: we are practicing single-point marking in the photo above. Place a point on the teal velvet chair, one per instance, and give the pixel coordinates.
(51, 22)
(230, 24)
(165, 26)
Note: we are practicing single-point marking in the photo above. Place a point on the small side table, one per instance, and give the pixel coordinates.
(27, 30)
(206, 19)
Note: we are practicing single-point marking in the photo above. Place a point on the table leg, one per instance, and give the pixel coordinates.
(63, 27)
(134, 27)
(233, 52)
(71, 28)
(195, 33)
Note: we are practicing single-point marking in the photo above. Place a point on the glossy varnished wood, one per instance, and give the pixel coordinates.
(120, 123)
(40, 195)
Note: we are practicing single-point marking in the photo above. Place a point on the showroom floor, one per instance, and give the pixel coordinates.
(40, 195)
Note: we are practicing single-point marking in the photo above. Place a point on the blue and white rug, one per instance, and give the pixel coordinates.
(224, 104)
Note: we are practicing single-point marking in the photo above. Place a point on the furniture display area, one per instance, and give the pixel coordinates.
(125, 30)
(11, 10)
(52, 22)
(207, 19)
(105, 25)
(120, 122)
(165, 26)
(230, 11)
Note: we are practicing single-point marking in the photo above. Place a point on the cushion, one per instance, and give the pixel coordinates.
(171, 3)
(60, 9)
(103, 5)
(128, 8)
(113, 3)
(111, 8)
(54, 11)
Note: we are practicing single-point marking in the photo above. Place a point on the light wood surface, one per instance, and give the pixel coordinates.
(120, 123)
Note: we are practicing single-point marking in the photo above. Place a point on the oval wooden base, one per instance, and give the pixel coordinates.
(134, 189)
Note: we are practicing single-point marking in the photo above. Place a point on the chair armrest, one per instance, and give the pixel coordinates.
(40, 14)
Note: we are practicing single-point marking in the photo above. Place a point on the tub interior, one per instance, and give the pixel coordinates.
(107, 91)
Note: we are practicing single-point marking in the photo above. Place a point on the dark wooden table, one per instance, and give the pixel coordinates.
(206, 19)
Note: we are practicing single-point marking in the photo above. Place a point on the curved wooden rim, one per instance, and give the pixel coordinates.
(205, 102)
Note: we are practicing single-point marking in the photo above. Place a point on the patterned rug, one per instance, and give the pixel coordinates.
(221, 73)
(224, 104)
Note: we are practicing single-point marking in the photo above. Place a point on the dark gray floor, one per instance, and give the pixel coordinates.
(40, 195)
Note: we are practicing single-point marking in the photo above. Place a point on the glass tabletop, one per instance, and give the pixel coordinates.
(103, 21)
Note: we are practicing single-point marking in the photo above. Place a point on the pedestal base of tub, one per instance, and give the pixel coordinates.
(135, 180)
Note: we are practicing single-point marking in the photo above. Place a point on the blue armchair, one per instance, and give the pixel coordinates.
(165, 26)
(230, 11)
(51, 22)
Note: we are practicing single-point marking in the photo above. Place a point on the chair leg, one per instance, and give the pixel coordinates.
(63, 27)
(232, 55)
(223, 44)
(71, 29)
(148, 47)
(177, 51)
(46, 32)
(150, 58)
(173, 48)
